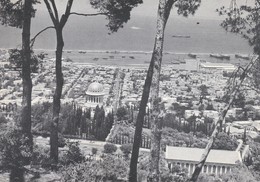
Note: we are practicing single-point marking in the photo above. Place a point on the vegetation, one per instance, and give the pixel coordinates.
(110, 148)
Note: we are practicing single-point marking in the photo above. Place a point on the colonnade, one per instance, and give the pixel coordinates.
(94, 99)
(207, 168)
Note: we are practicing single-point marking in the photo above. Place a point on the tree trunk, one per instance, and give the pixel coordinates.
(17, 173)
(155, 65)
(26, 73)
(156, 125)
(56, 98)
(139, 124)
(218, 124)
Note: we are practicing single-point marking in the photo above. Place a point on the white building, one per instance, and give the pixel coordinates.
(94, 95)
(218, 161)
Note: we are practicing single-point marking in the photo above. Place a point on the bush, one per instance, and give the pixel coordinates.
(110, 148)
(40, 156)
(61, 140)
(126, 149)
(14, 152)
(110, 169)
(73, 155)
(94, 151)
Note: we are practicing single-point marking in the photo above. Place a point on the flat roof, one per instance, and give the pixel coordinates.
(194, 154)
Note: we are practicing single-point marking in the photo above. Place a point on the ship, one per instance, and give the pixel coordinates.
(192, 55)
(181, 36)
(242, 56)
(220, 56)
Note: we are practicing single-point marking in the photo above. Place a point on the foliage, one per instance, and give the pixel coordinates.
(186, 7)
(109, 168)
(224, 142)
(244, 20)
(239, 173)
(14, 148)
(94, 151)
(239, 100)
(174, 138)
(116, 11)
(11, 12)
(61, 140)
(121, 114)
(126, 149)
(40, 156)
(110, 148)
(73, 121)
(73, 155)
(15, 59)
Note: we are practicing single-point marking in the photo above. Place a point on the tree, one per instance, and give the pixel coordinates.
(15, 59)
(126, 149)
(18, 14)
(152, 79)
(121, 113)
(224, 142)
(117, 12)
(110, 148)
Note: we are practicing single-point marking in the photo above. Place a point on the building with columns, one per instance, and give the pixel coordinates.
(218, 161)
(94, 95)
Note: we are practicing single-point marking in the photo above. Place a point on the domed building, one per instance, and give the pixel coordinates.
(95, 94)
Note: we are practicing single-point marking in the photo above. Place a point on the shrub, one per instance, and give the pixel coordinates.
(94, 151)
(40, 156)
(61, 140)
(73, 155)
(110, 148)
(110, 169)
(126, 149)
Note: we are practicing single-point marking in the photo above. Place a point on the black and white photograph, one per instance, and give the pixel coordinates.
(129, 90)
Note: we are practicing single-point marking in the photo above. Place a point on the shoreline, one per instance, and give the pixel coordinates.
(82, 51)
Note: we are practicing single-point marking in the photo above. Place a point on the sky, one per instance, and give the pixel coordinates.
(207, 9)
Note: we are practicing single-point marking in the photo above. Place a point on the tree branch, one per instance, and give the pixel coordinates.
(82, 14)
(54, 20)
(33, 39)
(65, 16)
(55, 9)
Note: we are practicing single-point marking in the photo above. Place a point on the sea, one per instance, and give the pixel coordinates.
(80, 33)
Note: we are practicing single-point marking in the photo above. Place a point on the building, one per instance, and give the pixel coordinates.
(218, 66)
(192, 64)
(94, 95)
(218, 161)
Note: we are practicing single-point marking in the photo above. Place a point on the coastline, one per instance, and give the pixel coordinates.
(135, 58)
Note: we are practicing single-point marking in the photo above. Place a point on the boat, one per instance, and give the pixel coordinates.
(95, 59)
(220, 56)
(192, 55)
(181, 36)
(225, 56)
(82, 52)
(242, 56)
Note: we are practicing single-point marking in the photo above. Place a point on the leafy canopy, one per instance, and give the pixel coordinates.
(11, 12)
(116, 11)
